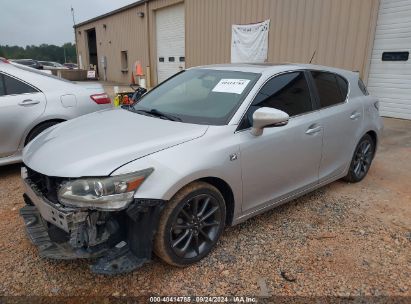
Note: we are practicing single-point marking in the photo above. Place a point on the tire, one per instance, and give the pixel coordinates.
(38, 129)
(192, 239)
(361, 160)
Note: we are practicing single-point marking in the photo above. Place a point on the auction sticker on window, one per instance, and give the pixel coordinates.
(235, 86)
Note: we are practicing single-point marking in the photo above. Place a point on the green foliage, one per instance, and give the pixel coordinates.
(46, 52)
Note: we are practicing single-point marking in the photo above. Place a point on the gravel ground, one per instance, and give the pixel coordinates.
(342, 239)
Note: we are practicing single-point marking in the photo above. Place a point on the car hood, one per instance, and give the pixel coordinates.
(99, 143)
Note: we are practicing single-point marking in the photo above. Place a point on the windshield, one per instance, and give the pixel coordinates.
(199, 96)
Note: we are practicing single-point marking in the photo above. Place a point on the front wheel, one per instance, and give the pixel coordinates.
(361, 161)
(190, 224)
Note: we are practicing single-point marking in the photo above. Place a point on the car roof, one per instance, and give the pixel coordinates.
(272, 68)
(33, 76)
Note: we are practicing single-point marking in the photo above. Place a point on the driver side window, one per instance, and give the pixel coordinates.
(287, 92)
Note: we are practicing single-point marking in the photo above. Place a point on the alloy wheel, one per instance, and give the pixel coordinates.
(195, 227)
(363, 158)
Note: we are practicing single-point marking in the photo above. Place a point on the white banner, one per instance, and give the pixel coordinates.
(249, 43)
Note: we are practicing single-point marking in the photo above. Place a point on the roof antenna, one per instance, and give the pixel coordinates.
(312, 57)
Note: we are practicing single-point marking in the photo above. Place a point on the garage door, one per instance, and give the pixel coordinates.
(390, 70)
(170, 41)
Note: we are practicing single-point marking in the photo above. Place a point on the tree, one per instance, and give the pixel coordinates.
(46, 52)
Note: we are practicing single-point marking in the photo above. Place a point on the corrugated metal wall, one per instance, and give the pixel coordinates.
(338, 30)
(125, 31)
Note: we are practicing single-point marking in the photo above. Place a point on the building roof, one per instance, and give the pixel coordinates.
(119, 10)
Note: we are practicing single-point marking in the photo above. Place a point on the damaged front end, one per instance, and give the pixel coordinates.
(121, 240)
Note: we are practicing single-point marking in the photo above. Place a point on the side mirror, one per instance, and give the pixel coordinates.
(268, 117)
(138, 93)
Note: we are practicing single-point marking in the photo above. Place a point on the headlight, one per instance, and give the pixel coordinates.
(106, 193)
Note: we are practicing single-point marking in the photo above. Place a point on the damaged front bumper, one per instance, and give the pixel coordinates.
(121, 240)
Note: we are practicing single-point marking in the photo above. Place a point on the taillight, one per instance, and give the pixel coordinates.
(101, 98)
(4, 60)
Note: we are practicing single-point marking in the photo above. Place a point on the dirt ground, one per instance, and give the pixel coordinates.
(341, 240)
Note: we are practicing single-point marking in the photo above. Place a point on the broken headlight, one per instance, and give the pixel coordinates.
(105, 193)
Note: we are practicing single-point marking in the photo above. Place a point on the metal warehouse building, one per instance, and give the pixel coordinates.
(369, 36)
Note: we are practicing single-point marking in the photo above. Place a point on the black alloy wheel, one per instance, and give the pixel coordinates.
(195, 227)
(361, 161)
(190, 225)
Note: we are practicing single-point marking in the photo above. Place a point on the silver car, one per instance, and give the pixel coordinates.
(31, 101)
(52, 65)
(209, 147)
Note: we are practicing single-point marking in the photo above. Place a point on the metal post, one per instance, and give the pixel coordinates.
(75, 34)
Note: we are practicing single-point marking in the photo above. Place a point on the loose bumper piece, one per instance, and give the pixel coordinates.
(122, 240)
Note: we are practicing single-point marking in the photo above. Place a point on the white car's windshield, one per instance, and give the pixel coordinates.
(199, 96)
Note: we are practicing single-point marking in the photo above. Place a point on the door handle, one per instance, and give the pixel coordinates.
(355, 115)
(313, 130)
(28, 102)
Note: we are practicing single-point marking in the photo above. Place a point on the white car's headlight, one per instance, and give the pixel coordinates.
(105, 193)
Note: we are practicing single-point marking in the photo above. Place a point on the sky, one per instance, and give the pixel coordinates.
(33, 22)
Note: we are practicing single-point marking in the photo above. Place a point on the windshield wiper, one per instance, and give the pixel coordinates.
(157, 113)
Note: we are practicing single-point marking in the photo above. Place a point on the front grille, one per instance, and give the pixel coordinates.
(47, 185)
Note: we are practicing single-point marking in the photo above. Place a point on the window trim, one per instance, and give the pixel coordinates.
(312, 96)
(364, 90)
(18, 79)
(316, 91)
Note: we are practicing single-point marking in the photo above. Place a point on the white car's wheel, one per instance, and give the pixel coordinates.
(38, 129)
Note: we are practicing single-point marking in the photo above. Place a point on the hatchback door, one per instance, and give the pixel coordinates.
(20, 105)
(283, 160)
(341, 119)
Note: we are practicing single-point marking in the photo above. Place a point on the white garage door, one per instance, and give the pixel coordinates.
(170, 41)
(390, 70)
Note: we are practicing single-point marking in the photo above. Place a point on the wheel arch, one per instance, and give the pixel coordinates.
(225, 190)
(57, 120)
(374, 137)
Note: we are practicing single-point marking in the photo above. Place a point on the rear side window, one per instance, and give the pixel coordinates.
(343, 84)
(16, 87)
(362, 87)
(2, 89)
(287, 92)
(332, 89)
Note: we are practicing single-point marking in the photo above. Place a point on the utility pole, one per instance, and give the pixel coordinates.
(75, 33)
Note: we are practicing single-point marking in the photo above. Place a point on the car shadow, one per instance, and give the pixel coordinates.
(8, 170)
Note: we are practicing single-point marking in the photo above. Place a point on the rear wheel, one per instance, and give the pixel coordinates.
(38, 129)
(190, 224)
(361, 161)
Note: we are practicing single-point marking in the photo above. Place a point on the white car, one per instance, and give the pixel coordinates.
(51, 65)
(31, 101)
